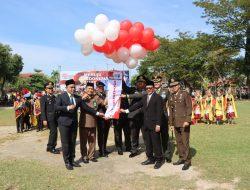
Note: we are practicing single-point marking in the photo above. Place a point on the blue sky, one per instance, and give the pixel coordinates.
(43, 31)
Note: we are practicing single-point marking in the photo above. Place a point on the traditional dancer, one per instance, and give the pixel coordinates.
(208, 105)
(230, 108)
(197, 112)
(219, 108)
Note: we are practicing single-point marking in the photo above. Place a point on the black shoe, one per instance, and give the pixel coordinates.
(101, 154)
(106, 152)
(93, 160)
(69, 166)
(85, 160)
(54, 151)
(148, 162)
(186, 166)
(128, 149)
(168, 160)
(75, 164)
(158, 164)
(133, 154)
(179, 162)
(120, 152)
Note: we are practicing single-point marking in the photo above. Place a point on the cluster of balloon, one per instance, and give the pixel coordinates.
(120, 41)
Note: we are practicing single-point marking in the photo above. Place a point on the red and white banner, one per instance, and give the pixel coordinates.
(82, 77)
(114, 93)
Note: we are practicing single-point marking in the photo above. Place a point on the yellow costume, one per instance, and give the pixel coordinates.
(219, 109)
(208, 108)
(230, 107)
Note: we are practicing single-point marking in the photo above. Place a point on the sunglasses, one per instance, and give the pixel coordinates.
(149, 88)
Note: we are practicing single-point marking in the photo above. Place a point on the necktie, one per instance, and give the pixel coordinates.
(148, 100)
(71, 100)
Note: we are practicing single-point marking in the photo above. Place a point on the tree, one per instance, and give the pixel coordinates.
(231, 22)
(194, 60)
(55, 75)
(10, 66)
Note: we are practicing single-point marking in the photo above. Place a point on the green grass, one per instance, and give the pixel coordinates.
(223, 152)
(7, 117)
(30, 175)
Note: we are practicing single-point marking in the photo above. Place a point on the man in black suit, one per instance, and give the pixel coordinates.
(48, 116)
(152, 108)
(67, 105)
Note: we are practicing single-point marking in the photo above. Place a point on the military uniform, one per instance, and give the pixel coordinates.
(48, 113)
(164, 93)
(180, 107)
(87, 128)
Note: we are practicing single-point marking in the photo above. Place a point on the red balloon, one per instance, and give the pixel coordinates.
(135, 34)
(147, 35)
(98, 48)
(108, 47)
(125, 25)
(153, 45)
(128, 44)
(122, 38)
(139, 25)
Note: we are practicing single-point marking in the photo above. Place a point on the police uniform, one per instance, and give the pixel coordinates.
(122, 124)
(136, 117)
(103, 125)
(48, 114)
(180, 108)
(164, 93)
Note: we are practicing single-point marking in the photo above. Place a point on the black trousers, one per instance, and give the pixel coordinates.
(26, 120)
(135, 127)
(165, 137)
(39, 122)
(68, 140)
(119, 126)
(153, 144)
(103, 127)
(52, 125)
(19, 124)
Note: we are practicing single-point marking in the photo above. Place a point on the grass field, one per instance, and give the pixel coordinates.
(221, 153)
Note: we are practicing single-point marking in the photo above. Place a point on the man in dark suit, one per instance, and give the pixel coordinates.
(67, 105)
(48, 116)
(152, 108)
(164, 93)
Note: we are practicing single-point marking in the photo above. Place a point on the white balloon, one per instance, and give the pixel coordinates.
(111, 56)
(115, 24)
(131, 63)
(143, 53)
(111, 33)
(91, 28)
(123, 53)
(98, 38)
(82, 36)
(87, 49)
(101, 21)
(136, 51)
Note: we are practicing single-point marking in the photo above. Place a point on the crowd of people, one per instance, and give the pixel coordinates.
(219, 108)
(148, 108)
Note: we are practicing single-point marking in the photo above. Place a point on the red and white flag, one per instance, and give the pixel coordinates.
(114, 93)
